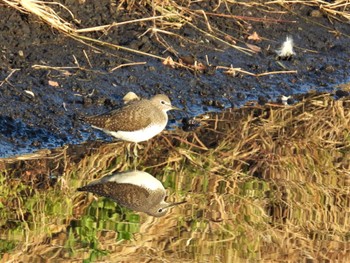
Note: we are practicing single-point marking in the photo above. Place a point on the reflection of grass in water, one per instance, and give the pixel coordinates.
(101, 216)
(28, 215)
(6, 246)
(269, 183)
(301, 155)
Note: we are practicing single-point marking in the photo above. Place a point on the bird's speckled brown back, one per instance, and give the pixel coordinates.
(128, 195)
(134, 116)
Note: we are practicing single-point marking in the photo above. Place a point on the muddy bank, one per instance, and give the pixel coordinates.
(48, 80)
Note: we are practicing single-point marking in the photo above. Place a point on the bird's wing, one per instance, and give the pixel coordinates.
(128, 195)
(129, 118)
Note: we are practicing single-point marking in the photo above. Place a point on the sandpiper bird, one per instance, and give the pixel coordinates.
(135, 190)
(137, 121)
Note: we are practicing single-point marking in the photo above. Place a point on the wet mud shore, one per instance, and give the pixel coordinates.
(48, 80)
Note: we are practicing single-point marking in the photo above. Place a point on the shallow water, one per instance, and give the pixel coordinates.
(234, 211)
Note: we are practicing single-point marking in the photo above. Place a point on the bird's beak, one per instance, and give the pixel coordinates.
(174, 204)
(176, 108)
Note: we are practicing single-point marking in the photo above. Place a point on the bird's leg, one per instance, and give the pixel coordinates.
(135, 150)
(131, 154)
(128, 155)
(137, 147)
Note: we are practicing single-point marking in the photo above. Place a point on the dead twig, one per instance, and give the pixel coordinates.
(9, 76)
(127, 65)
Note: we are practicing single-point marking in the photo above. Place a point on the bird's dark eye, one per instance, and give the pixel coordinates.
(162, 101)
(160, 210)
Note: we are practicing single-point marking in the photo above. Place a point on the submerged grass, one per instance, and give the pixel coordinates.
(262, 183)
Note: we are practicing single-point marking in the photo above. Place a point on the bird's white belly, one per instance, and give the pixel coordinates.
(138, 136)
(138, 178)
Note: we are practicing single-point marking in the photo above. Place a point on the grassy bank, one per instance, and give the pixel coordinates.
(262, 182)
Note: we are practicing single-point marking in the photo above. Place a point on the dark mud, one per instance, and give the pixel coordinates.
(40, 107)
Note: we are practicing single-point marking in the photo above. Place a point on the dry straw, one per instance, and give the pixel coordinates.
(169, 16)
(338, 9)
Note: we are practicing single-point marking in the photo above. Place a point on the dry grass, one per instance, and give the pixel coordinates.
(261, 182)
(338, 9)
(165, 18)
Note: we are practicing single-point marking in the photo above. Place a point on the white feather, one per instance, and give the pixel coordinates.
(286, 49)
